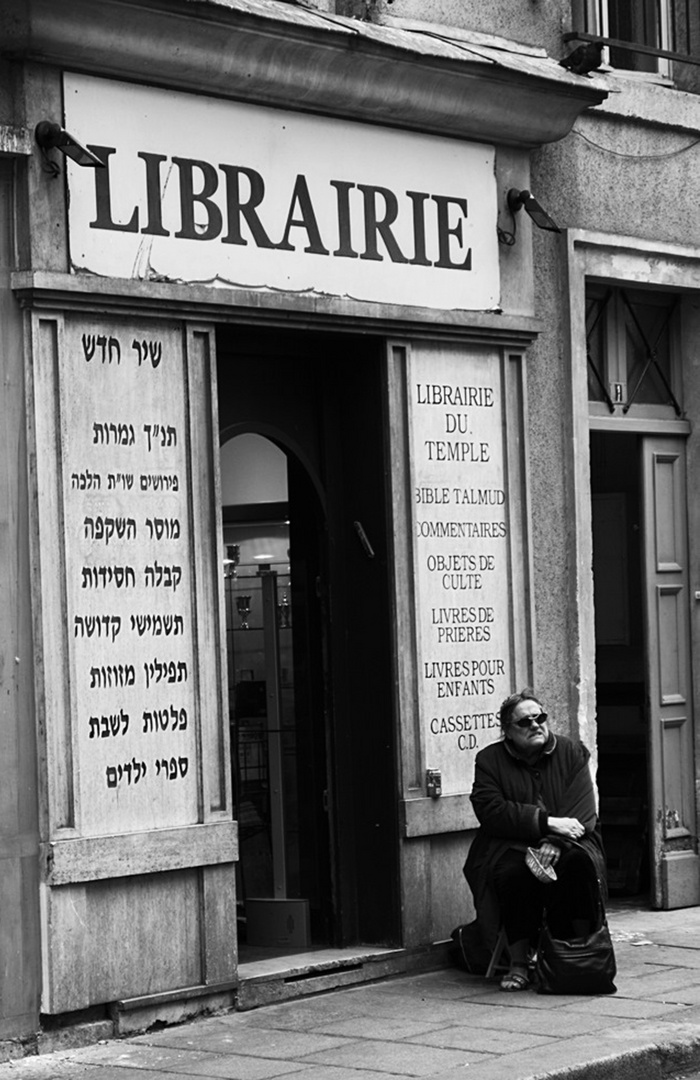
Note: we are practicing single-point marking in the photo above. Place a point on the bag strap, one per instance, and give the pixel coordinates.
(601, 913)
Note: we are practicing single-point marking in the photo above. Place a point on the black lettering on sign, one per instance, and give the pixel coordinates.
(226, 203)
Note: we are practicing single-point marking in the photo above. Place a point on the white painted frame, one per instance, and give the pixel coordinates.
(619, 260)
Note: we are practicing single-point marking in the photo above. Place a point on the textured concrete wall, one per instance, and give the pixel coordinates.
(626, 176)
(535, 22)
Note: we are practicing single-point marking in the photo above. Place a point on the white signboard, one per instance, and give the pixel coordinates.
(202, 190)
(127, 523)
(460, 516)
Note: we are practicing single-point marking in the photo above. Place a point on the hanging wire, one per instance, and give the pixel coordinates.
(505, 237)
(636, 157)
(48, 164)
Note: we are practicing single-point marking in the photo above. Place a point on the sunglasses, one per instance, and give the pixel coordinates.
(527, 721)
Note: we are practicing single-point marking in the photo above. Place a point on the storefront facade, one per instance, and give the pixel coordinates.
(288, 433)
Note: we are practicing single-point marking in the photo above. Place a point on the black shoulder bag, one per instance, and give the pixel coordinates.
(580, 965)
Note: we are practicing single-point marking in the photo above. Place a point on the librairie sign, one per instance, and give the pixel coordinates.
(198, 189)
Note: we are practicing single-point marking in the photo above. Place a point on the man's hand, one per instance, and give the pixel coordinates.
(548, 853)
(569, 827)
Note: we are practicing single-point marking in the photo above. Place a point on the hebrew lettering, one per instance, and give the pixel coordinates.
(148, 352)
(130, 772)
(107, 626)
(163, 528)
(100, 577)
(117, 481)
(113, 434)
(159, 482)
(109, 529)
(127, 544)
(106, 349)
(160, 435)
(106, 726)
(172, 769)
(169, 671)
(86, 481)
(158, 625)
(169, 718)
(109, 675)
(157, 576)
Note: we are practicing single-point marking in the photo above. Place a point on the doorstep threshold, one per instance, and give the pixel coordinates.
(309, 962)
(299, 974)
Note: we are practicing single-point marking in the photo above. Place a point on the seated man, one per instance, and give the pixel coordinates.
(533, 789)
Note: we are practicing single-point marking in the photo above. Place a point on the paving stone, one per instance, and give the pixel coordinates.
(672, 981)
(237, 1067)
(333, 1072)
(559, 1059)
(634, 1008)
(521, 999)
(534, 1021)
(420, 991)
(413, 1007)
(307, 1014)
(690, 996)
(395, 1058)
(484, 1040)
(47, 1069)
(128, 1055)
(677, 956)
(187, 1034)
(637, 961)
(170, 1062)
(264, 1042)
(195, 1035)
(379, 1027)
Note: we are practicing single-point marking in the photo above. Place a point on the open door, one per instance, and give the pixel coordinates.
(675, 866)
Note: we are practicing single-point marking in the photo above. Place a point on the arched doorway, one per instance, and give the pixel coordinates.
(275, 678)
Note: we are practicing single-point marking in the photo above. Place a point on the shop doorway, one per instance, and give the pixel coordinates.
(621, 691)
(644, 699)
(309, 639)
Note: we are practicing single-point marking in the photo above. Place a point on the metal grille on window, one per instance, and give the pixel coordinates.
(640, 35)
(629, 347)
(595, 347)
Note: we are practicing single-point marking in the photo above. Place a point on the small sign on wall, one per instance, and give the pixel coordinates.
(201, 190)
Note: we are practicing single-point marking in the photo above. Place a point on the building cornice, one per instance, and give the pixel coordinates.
(86, 293)
(292, 57)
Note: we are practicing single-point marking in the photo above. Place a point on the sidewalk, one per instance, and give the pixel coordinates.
(436, 1025)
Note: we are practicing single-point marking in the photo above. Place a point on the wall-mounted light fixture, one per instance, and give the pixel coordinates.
(51, 136)
(516, 201)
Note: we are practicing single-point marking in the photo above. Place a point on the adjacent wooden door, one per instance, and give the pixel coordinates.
(675, 867)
